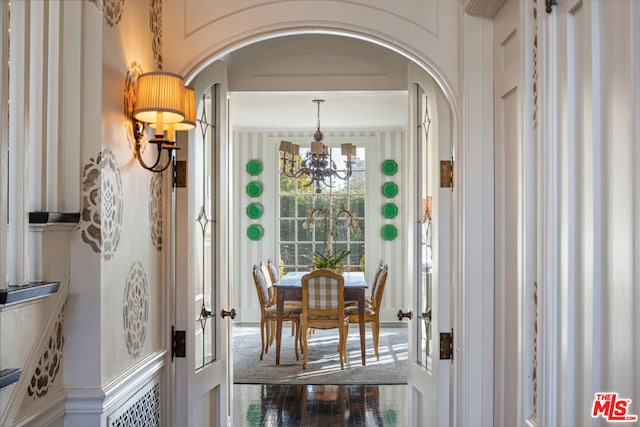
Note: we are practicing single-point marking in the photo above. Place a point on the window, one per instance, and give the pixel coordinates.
(310, 221)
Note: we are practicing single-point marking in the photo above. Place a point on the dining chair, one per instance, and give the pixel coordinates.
(372, 310)
(323, 308)
(271, 273)
(268, 313)
(275, 276)
(368, 301)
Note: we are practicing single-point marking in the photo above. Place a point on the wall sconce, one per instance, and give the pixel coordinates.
(161, 104)
(189, 121)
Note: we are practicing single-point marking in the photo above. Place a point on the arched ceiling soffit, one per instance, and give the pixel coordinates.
(315, 62)
(197, 34)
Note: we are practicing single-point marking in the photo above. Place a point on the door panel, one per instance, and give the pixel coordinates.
(202, 377)
(430, 378)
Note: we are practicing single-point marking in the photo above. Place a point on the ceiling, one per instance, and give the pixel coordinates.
(341, 110)
(272, 84)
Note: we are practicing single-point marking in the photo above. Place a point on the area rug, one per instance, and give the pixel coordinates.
(323, 364)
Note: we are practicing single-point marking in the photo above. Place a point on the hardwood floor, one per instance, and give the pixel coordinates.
(318, 405)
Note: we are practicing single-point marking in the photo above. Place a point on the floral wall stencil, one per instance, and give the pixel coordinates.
(155, 210)
(90, 215)
(135, 311)
(155, 23)
(50, 362)
(112, 10)
(102, 204)
(130, 82)
(112, 205)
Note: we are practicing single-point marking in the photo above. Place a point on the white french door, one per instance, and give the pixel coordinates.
(202, 375)
(431, 374)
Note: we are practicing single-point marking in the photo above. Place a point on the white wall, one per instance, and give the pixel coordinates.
(589, 210)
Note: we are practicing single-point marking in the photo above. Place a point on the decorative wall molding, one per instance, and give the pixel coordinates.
(424, 18)
(482, 8)
(120, 389)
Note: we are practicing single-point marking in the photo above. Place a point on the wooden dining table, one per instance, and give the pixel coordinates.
(289, 288)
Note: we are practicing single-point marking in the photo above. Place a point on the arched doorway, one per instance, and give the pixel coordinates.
(225, 256)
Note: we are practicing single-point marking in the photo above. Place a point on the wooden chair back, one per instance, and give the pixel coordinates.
(378, 288)
(379, 268)
(262, 287)
(273, 271)
(269, 283)
(323, 299)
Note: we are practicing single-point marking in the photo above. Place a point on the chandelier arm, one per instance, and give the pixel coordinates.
(346, 176)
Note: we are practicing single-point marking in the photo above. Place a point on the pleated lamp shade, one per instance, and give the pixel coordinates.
(159, 98)
(189, 121)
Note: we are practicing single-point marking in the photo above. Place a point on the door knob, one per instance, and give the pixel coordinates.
(427, 315)
(402, 315)
(231, 313)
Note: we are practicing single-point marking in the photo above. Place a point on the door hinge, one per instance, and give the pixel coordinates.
(446, 174)
(180, 174)
(179, 343)
(446, 345)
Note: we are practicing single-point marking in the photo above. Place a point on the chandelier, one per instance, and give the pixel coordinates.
(317, 165)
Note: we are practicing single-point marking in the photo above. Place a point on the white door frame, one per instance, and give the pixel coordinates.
(473, 119)
(473, 340)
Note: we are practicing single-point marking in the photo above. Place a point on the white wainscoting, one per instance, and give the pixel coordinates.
(99, 407)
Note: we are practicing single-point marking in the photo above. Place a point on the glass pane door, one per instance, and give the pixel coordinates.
(423, 239)
(205, 321)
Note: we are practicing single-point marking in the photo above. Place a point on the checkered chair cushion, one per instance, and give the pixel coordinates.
(323, 293)
(323, 308)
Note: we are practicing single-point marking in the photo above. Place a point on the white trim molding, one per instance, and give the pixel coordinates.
(475, 265)
(93, 406)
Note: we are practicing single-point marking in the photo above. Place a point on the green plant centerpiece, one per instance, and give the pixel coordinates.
(329, 259)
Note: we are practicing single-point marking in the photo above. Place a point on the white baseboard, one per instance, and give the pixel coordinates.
(47, 412)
